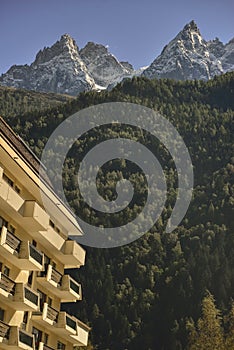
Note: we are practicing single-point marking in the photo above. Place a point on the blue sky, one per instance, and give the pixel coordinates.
(135, 30)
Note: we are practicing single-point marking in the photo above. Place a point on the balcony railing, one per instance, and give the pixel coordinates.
(72, 329)
(30, 295)
(73, 254)
(20, 339)
(76, 287)
(46, 317)
(71, 323)
(30, 257)
(26, 338)
(10, 198)
(25, 298)
(63, 286)
(35, 217)
(52, 314)
(10, 240)
(22, 254)
(36, 254)
(4, 330)
(56, 276)
(7, 284)
(13, 241)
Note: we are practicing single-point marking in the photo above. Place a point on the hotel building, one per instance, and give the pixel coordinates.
(34, 252)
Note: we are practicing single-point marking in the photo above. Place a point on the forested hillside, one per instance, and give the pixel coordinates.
(148, 295)
(18, 101)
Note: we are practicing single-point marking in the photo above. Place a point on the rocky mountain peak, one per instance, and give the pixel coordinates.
(103, 66)
(66, 45)
(63, 68)
(91, 49)
(192, 27)
(188, 56)
(190, 37)
(66, 38)
(58, 68)
(66, 42)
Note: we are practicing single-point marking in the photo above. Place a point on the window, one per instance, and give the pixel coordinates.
(2, 314)
(38, 336)
(30, 277)
(11, 183)
(25, 320)
(52, 224)
(17, 189)
(46, 338)
(46, 263)
(8, 180)
(57, 229)
(60, 346)
(46, 260)
(6, 271)
(42, 299)
(53, 264)
(49, 301)
(3, 222)
(34, 243)
(11, 229)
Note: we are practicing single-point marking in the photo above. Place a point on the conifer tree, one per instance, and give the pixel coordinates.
(209, 328)
(229, 341)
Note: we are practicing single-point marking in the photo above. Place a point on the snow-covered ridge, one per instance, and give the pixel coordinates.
(189, 56)
(63, 68)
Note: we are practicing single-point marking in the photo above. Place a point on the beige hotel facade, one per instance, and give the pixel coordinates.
(34, 252)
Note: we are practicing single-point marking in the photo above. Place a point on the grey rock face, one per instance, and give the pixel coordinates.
(227, 58)
(63, 68)
(58, 68)
(103, 66)
(189, 56)
(216, 47)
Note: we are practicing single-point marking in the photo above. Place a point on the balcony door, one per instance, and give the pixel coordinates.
(42, 299)
(38, 336)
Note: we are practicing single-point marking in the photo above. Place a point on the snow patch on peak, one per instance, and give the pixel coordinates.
(189, 56)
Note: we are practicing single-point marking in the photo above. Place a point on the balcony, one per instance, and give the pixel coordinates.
(20, 253)
(34, 217)
(73, 255)
(64, 287)
(30, 257)
(25, 299)
(17, 295)
(10, 200)
(20, 339)
(63, 325)
(12, 337)
(4, 332)
(72, 329)
(9, 246)
(9, 241)
(7, 288)
(47, 317)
